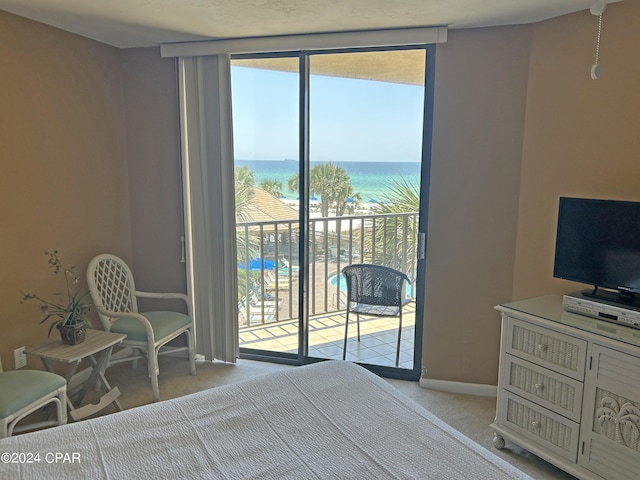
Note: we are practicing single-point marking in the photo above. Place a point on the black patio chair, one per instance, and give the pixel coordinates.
(374, 290)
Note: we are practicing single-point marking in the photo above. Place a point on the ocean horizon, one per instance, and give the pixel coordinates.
(372, 180)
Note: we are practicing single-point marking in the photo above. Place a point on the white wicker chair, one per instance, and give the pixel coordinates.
(113, 292)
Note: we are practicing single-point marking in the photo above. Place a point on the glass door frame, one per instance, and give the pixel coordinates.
(302, 357)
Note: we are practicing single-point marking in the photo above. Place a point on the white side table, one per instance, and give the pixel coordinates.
(97, 344)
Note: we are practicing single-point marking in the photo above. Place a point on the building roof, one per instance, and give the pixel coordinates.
(265, 207)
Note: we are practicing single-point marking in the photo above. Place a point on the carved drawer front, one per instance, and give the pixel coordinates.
(551, 390)
(544, 427)
(554, 350)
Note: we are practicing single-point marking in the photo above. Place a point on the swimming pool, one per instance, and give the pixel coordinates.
(334, 281)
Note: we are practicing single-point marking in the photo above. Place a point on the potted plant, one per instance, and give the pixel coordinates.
(69, 313)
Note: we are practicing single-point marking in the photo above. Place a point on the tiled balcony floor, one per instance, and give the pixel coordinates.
(377, 346)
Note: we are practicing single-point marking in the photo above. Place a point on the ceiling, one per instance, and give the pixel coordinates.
(143, 23)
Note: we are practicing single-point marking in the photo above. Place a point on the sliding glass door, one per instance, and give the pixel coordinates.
(329, 157)
(365, 120)
(265, 112)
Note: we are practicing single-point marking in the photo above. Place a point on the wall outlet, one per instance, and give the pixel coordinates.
(20, 357)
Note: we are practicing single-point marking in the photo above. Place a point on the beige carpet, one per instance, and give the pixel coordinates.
(468, 414)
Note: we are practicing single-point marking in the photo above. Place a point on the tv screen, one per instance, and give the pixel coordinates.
(598, 243)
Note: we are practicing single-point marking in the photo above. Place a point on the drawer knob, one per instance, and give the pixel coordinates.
(542, 347)
(539, 386)
(536, 425)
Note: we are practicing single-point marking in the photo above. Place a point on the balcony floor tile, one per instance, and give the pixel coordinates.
(379, 336)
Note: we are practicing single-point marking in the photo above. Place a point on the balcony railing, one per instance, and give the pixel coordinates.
(268, 272)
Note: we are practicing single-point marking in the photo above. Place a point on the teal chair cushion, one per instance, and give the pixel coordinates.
(20, 388)
(163, 324)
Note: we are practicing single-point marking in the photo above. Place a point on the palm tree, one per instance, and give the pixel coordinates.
(395, 241)
(293, 183)
(404, 196)
(331, 183)
(274, 187)
(351, 200)
(244, 182)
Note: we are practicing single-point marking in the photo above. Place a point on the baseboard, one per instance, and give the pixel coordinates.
(459, 387)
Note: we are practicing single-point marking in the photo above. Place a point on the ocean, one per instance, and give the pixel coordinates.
(372, 180)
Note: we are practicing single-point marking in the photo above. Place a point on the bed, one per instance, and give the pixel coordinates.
(327, 420)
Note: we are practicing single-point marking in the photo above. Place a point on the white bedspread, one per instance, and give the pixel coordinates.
(328, 420)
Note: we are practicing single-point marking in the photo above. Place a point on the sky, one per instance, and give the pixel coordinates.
(351, 120)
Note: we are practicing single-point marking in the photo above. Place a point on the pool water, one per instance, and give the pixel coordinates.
(334, 281)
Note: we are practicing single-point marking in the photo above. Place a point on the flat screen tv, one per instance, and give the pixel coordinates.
(598, 243)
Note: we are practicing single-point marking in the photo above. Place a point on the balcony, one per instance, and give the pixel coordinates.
(268, 288)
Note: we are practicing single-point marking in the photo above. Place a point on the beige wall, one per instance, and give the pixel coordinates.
(153, 148)
(89, 148)
(582, 136)
(492, 228)
(480, 91)
(64, 171)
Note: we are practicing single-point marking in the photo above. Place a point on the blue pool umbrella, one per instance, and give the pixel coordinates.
(255, 264)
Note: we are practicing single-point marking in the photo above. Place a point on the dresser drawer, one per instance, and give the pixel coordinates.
(551, 349)
(544, 427)
(551, 390)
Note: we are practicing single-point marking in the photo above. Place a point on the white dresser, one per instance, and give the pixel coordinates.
(569, 389)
